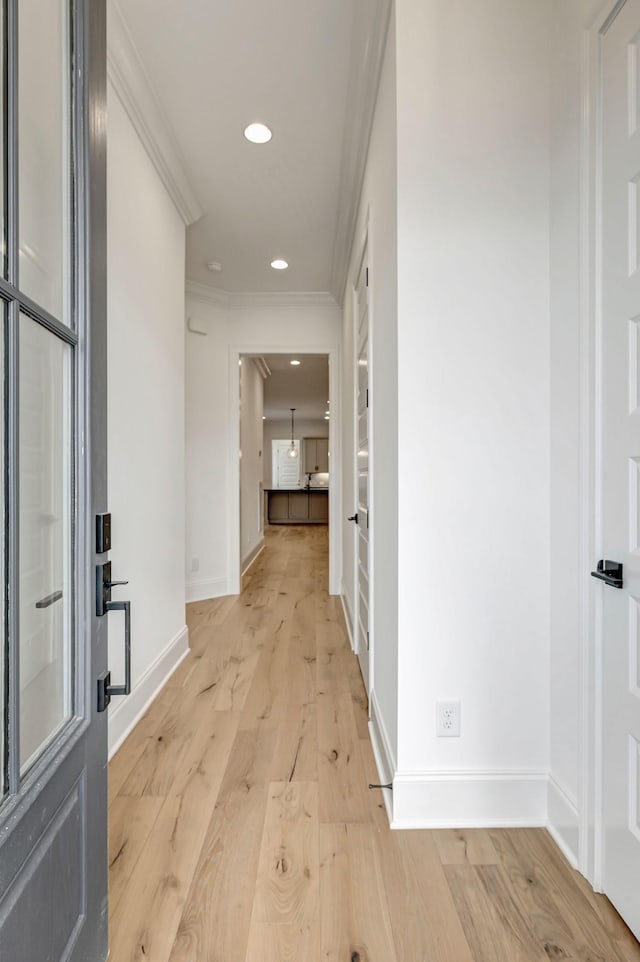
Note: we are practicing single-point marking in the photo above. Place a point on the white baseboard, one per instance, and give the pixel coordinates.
(125, 714)
(348, 617)
(203, 590)
(251, 556)
(563, 821)
(470, 799)
(382, 752)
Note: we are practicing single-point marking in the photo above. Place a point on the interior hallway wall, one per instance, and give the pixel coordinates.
(473, 96)
(210, 419)
(146, 249)
(251, 458)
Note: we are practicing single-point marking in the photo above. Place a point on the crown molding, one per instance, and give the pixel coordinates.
(126, 72)
(280, 300)
(263, 367)
(367, 56)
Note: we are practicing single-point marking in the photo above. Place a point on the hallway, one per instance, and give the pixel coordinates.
(242, 828)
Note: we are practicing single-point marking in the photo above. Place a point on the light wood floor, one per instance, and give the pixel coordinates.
(242, 829)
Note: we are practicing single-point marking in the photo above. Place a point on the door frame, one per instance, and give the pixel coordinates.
(333, 353)
(364, 247)
(591, 769)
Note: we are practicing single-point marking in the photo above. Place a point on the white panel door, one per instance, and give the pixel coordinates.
(363, 627)
(621, 459)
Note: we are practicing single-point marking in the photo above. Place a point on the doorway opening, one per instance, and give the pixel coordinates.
(285, 443)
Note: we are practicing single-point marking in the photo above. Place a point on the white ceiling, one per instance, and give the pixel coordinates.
(306, 387)
(216, 67)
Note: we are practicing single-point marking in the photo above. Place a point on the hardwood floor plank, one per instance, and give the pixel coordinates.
(493, 924)
(268, 691)
(231, 693)
(465, 847)
(296, 755)
(126, 758)
(287, 881)
(342, 785)
(131, 821)
(284, 943)
(354, 916)
(147, 917)
(217, 910)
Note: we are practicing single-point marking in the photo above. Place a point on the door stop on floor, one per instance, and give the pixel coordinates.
(389, 786)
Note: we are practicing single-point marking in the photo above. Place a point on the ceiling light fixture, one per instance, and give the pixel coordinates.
(279, 265)
(295, 363)
(293, 451)
(326, 417)
(258, 133)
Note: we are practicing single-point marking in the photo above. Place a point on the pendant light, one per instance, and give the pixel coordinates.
(293, 451)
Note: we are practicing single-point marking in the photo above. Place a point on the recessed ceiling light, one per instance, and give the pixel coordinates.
(279, 265)
(326, 417)
(258, 133)
(264, 417)
(295, 363)
(326, 412)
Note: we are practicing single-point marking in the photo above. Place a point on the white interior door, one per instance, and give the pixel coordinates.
(363, 626)
(621, 459)
(285, 470)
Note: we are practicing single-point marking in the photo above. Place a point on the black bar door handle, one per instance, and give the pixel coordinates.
(105, 689)
(126, 688)
(610, 572)
(354, 517)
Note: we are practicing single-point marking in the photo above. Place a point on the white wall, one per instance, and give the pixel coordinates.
(277, 430)
(212, 423)
(146, 243)
(473, 408)
(251, 458)
(378, 212)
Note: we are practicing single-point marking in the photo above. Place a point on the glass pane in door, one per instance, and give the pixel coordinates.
(45, 434)
(44, 152)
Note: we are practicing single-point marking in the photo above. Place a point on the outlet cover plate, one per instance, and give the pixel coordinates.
(448, 719)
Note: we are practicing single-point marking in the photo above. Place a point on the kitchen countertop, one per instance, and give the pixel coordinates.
(305, 490)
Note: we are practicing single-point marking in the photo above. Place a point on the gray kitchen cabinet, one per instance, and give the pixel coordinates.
(316, 455)
(278, 506)
(318, 506)
(298, 506)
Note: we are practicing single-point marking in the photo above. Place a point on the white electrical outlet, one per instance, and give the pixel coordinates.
(448, 719)
(195, 564)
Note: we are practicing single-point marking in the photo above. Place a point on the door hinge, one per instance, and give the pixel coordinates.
(367, 641)
(367, 397)
(366, 283)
